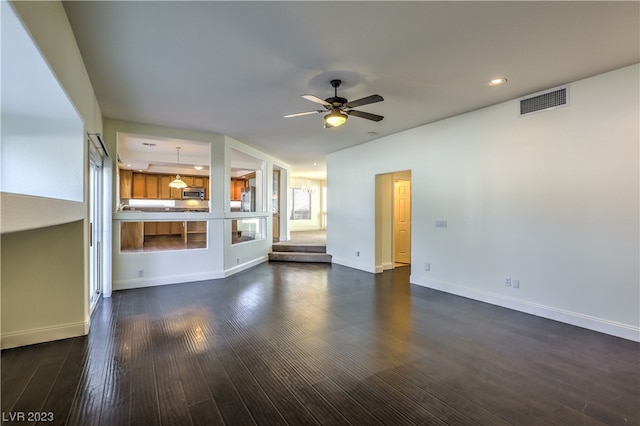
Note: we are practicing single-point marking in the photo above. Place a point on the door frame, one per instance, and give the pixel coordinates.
(96, 225)
(385, 217)
(276, 207)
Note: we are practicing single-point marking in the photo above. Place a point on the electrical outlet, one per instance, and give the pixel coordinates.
(140, 273)
(516, 283)
(507, 282)
(237, 260)
(427, 266)
(358, 254)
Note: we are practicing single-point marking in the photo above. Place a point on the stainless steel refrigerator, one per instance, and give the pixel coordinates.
(248, 199)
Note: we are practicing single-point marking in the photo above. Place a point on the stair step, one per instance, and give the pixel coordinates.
(291, 256)
(299, 248)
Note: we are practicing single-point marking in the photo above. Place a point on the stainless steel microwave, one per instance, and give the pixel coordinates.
(193, 193)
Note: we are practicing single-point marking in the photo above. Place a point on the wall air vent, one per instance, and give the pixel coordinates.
(545, 100)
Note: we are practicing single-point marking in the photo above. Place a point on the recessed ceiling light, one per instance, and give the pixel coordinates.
(497, 81)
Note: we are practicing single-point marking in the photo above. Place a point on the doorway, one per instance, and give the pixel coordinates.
(393, 220)
(275, 206)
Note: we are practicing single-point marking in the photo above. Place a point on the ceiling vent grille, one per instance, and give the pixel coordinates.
(544, 101)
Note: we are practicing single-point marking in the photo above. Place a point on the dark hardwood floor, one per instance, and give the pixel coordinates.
(322, 344)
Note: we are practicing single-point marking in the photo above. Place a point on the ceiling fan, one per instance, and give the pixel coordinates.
(340, 108)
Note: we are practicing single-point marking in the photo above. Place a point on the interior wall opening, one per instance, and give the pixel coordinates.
(148, 167)
(393, 220)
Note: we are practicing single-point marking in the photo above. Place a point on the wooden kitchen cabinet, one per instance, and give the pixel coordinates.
(198, 182)
(236, 188)
(156, 186)
(125, 183)
(177, 228)
(176, 194)
(151, 187)
(150, 228)
(164, 228)
(165, 190)
(131, 236)
(206, 187)
(138, 186)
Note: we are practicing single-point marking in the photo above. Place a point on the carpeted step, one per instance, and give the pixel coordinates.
(291, 256)
(307, 248)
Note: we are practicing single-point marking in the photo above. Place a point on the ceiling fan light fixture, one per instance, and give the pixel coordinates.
(339, 108)
(335, 119)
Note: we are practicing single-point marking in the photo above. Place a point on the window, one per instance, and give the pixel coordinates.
(158, 236)
(248, 185)
(301, 204)
(243, 230)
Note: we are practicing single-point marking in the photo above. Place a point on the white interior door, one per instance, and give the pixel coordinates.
(402, 221)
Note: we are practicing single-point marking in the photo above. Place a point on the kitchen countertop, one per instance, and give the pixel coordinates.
(163, 210)
(180, 214)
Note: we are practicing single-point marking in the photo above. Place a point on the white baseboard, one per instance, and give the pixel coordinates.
(601, 325)
(354, 265)
(166, 279)
(244, 266)
(384, 267)
(186, 278)
(45, 334)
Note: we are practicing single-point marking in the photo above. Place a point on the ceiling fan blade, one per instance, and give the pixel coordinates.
(364, 101)
(316, 99)
(298, 114)
(367, 115)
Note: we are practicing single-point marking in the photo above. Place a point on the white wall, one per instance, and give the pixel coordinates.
(35, 149)
(384, 222)
(550, 199)
(42, 136)
(45, 269)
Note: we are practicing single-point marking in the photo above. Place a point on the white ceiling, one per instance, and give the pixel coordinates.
(237, 67)
(160, 155)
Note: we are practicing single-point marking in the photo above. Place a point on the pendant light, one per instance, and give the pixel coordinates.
(177, 182)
